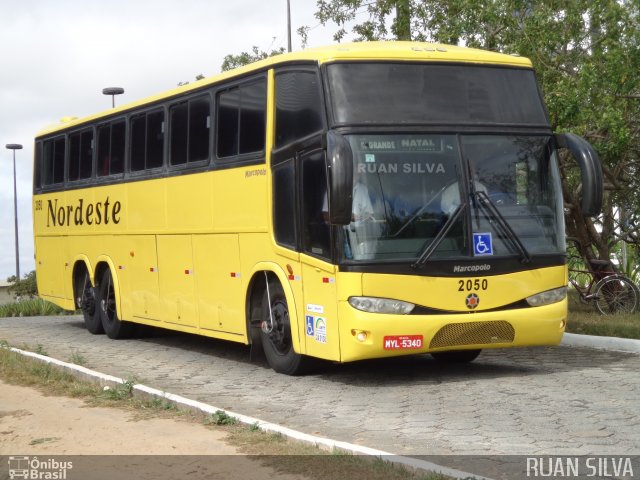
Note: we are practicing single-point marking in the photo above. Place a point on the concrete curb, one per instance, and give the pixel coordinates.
(628, 345)
(320, 442)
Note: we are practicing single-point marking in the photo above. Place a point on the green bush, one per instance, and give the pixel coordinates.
(34, 307)
(25, 288)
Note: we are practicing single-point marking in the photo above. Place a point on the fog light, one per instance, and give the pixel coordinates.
(360, 335)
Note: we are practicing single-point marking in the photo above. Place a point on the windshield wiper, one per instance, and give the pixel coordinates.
(492, 212)
(448, 225)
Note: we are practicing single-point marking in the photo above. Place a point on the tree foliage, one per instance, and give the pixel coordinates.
(25, 287)
(245, 58)
(587, 57)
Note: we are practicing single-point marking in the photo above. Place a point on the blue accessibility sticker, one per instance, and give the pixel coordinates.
(482, 244)
(310, 328)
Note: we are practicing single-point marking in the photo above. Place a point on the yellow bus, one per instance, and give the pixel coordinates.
(351, 202)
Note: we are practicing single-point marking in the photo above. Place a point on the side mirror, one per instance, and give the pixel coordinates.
(590, 171)
(340, 170)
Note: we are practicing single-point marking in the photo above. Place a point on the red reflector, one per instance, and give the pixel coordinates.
(325, 280)
(292, 277)
(233, 274)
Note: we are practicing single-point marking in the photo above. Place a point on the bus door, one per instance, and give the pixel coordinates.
(319, 288)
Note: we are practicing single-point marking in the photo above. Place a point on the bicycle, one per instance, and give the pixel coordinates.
(613, 292)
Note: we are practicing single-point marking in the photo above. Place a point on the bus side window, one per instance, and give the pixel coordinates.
(53, 161)
(241, 119)
(316, 228)
(284, 205)
(298, 106)
(111, 147)
(104, 140)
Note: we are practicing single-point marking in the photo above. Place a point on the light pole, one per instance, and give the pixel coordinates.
(14, 147)
(113, 91)
(289, 26)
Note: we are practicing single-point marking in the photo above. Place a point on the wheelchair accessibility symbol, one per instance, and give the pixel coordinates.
(482, 244)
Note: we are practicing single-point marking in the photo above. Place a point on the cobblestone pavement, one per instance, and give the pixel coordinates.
(561, 401)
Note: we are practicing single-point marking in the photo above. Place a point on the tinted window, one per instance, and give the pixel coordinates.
(284, 218)
(383, 93)
(117, 147)
(228, 106)
(155, 139)
(53, 161)
(80, 155)
(86, 154)
(190, 131)
(298, 106)
(138, 133)
(242, 119)
(199, 119)
(315, 211)
(252, 117)
(58, 160)
(74, 157)
(179, 124)
(111, 147)
(147, 141)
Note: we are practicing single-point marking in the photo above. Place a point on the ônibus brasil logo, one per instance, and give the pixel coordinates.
(34, 468)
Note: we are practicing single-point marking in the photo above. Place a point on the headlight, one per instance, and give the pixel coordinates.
(381, 305)
(548, 297)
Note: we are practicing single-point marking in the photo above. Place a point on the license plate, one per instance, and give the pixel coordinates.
(402, 342)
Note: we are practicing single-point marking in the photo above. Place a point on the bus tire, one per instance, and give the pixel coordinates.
(276, 334)
(106, 306)
(86, 302)
(456, 356)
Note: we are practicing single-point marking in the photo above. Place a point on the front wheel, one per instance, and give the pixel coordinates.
(113, 326)
(275, 333)
(616, 294)
(456, 356)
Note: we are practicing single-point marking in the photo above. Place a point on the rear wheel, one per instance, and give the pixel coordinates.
(456, 356)
(616, 294)
(113, 326)
(86, 301)
(275, 333)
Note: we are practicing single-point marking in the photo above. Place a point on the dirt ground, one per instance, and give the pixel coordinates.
(33, 424)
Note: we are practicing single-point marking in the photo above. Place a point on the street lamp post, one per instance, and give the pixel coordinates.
(113, 91)
(14, 147)
(289, 26)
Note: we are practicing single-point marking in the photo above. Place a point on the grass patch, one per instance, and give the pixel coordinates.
(33, 307)
(584, 319)
(77, 358)
(220, 418)
(592, 323)
(273, 450)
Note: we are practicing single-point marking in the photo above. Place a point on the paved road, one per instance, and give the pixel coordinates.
(561, 401)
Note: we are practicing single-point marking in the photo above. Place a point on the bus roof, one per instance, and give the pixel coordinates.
(391, 51)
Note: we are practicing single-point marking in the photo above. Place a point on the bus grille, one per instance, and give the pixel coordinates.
(472, 333)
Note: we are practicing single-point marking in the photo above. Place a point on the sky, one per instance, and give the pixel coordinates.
(56, 56)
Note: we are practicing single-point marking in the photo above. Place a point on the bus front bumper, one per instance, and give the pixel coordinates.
(366, 335)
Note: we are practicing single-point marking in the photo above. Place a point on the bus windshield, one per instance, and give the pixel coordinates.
(409, 190)
(435, 94)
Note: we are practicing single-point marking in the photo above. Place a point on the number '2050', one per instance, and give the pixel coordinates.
(475, 284)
